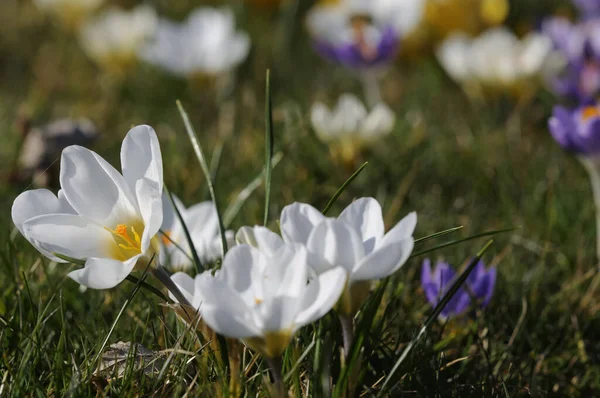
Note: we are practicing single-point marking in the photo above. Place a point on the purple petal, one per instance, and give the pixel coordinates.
(563, 128)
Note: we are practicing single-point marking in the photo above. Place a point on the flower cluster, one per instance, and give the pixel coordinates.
(206, 44)
(479, 287)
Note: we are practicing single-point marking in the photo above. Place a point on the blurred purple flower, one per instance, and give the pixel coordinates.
(579, 45)
(359, 53)
(589, 8)
(578, 130)
(479, 286)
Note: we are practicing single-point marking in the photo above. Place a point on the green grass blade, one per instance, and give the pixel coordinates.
(456, 242)
(436, 312)
(269, 139)
(438, 234)
(199, 267)
(204, 165)
(236, 204)
(343, 188)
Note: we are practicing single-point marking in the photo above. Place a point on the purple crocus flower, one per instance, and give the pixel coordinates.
(579, 45)
(577, 131)
(479, 287)
(352, 37)
(589, 8)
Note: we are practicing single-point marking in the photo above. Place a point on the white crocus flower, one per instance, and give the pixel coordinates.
(404, 15)
(356, 240)
(114, 38)
(349, 127)
(104, 218)
(263, 297)
(202, 223)
(205, 44)
(495, 60)
(70, 12)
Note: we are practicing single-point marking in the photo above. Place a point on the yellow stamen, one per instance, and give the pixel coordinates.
(121, 232)
(589, 112)
(359, 24)
(257, 301)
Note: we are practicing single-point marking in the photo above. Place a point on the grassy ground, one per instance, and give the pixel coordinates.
(484, 166)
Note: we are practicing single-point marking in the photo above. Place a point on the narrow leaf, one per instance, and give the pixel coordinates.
(343, 188)
(204, 165)
(268, 145)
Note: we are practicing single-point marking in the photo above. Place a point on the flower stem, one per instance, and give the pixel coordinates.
(162, 275)
(275, 364)
(592, 165)
(371, 88)
(347, 333)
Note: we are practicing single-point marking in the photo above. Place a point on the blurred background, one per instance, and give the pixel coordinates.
(460, 151)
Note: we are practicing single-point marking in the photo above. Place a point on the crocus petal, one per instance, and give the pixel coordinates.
(261, 237)
(380, 121)
(325, 293)
(70, 235)
(384, 261)
(94, 188)
(34, 203)
(364, 215)
(297, 222)
(224, 310)
(103, 273)
(141, 157)
(150, 202)
(336, 243)
(169, 216)
(186, 285)
(404, 229)
(201, 220)
(242, 270)
(430, 287)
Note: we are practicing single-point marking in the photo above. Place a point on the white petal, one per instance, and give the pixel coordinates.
(380, 122)
(169, 216)
(297, 222)
(404, 229)
(384, 261)
(453, 55)
(94, 188)
(263, 238)
(335, 243)
(287, 272)
(329, 287)
(320, 118)
(349, 114)
(141, 157)
(186, 286)
(70, 235)
(151, 205)
(242, 269)
(224, 310)
(201, 220)
(35, 203)
(364, 215)
(102, 273)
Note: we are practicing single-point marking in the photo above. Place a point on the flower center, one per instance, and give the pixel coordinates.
(589, 112)
(359, 24)
(126, 238)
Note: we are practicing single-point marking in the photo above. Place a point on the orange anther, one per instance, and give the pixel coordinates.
(589, 112)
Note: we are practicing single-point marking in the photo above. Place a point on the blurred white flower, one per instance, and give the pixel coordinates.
(356, 240)
(203, 225)
(404, 15)
(495, 60)
(263, 297)
(205, 44)
(349, 127)
(69, 12)
(114, 37)
(107, 219)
